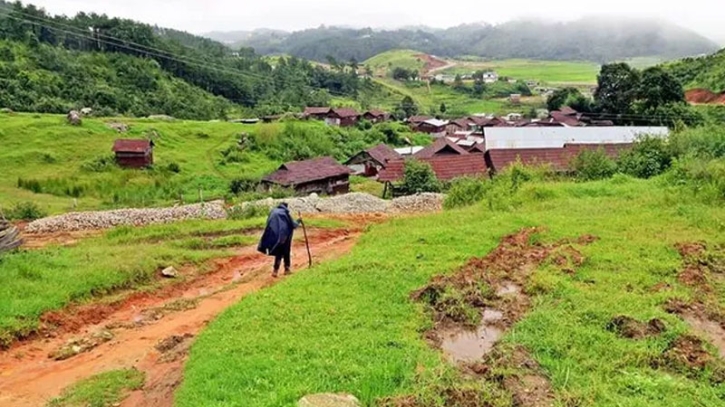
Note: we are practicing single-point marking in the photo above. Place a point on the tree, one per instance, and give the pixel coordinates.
(560, 97)
(617, 88)
(659, 88)
(408, 106)
(458, 82)
(443, 108)
(419, 177)
(401, 74)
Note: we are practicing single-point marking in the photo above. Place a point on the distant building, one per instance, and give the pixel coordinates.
(441, 147)
(134, 153)
(490, 77)
(371, 161)
(376, 116)
(317, 113)
(434, 127)
(515, 98)
(446, 168)
(320, 175)
(512, 117)
(343, 117)
(556, 158)
(408, 151)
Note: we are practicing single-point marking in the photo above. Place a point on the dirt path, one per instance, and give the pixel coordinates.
(29, 377)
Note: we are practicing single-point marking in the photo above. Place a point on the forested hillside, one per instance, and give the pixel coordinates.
(598, 40)
(704, 72)
(52, 63)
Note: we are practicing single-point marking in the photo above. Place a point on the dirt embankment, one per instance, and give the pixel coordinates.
(150, 331)
(704, 96)
(475, 306)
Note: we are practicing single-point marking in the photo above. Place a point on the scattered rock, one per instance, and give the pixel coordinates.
(119, 127)
(74, 118)
(134, 217)
(78, 346)
(161, 117)
(329, 400)
(169, 272)
(172, 342)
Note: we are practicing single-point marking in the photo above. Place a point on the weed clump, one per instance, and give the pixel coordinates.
(26, 211)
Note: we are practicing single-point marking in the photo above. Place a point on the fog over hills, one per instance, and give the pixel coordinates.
(596, 39)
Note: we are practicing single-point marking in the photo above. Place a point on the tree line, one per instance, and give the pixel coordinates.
(48, 63)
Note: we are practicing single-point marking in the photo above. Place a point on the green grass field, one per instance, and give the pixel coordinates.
(552, 72)
(350, 326)
(45, 148)
(396, 58)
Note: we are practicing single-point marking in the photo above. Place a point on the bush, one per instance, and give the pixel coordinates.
(32, 185)
(465, 191)
(100, 164)
(419, 177)
(26, 211)
(705, 178)
(240, 212)
(593, 165)
(173, 167)
(649, 157)
(240, 185)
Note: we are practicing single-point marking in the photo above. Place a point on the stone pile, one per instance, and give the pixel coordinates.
(425, 202)
(136, 217)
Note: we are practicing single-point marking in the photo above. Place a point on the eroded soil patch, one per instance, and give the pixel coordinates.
(628, 327)
(473, 307)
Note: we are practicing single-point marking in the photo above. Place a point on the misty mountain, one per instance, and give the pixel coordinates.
(593, 39)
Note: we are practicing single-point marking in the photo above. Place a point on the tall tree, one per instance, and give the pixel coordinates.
(408, 106)
(659, 88)
(617, 88)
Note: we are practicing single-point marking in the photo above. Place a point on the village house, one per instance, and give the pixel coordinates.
(343, 117)
(446, 168)
(317, 113)
(376, 116)
(134, 153)
(490, 77)
(415, 121)
(408, 151)
(458, 125)
(557, 137)
(321, 175)
(371, 161)
(441, 147)
(434, 127)
(557, 159)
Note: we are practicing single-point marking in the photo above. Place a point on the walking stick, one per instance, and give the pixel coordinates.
(307, 241)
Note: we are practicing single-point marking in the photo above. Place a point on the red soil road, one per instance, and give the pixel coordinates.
(29, 378)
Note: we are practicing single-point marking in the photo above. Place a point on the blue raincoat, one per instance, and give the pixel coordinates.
(277, 237)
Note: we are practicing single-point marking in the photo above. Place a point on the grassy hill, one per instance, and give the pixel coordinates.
(62, 168)
(703, 72)
(402, 58)
(554, 72)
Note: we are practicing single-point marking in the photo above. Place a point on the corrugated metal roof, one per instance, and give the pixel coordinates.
(436, 122)
(556, 137)
(408, 150)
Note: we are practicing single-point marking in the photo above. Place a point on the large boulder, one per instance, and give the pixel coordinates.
(74, 118)
(329, 400)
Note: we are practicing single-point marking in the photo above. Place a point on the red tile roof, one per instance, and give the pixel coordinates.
(557, 158)
(382, 153)
(461, 123)
(309, 111)
(344, 112)
(442, 144)
(376, 113)
(565, 119)
(446, 168)
(132, 146)
(301, 172)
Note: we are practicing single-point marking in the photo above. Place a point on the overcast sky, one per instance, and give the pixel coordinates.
(199, 16)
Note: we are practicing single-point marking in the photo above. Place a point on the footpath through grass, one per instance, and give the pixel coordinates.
(350, 326)
(33, 282)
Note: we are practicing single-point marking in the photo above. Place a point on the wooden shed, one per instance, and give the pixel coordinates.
(321, 175)
(369, 162)
(134, 153)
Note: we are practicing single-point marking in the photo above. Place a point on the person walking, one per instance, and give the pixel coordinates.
(277, 237)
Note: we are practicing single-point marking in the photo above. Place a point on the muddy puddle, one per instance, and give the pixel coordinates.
(461, 345)
(710, 330)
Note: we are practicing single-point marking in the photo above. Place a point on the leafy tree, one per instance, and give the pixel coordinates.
(408, 106)
(559, 98)
(593, 165)
(659, 88)
(617, 88)
(442, 109)
(419, 177)
(649, 157)
(402, 74)
(458, 83)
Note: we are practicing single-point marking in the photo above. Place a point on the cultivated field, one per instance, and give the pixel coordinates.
(551, 72)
